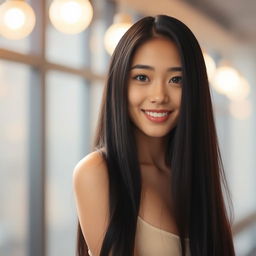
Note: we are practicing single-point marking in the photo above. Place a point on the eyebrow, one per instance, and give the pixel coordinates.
(139, 66)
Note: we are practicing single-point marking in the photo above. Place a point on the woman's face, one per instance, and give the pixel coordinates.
(155, 87)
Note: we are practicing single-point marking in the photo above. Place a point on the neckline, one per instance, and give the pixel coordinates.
(159, 229)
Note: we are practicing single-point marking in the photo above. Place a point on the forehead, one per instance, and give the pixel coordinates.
(156, 51)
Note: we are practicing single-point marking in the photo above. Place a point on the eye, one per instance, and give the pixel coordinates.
(141, 78)
(176, 79)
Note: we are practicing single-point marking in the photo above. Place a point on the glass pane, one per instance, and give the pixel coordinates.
(64, 49)
(21, 45)
(13, 158)
(67, 142)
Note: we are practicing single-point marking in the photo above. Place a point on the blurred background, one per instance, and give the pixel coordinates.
(54, 56)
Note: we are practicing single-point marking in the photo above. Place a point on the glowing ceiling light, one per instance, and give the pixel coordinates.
(225, 79)
(122, 23)
(210, 66)
(14, 18)
(71, 12)
(240, 91)
(71, 16)
(17, 19)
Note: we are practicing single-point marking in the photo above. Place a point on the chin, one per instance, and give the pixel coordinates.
(156, 134)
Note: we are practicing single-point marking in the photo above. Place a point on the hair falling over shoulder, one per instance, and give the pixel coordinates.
(198, 180)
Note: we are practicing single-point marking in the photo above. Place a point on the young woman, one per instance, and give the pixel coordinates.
(153, 185)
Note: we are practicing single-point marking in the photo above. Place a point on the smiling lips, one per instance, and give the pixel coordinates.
(157, 116)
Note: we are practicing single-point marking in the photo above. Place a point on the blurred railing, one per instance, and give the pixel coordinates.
(243, 224)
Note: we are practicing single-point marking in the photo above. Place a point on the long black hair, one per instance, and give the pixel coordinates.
(198, 182)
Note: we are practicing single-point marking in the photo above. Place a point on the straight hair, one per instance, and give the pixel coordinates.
(198, 183)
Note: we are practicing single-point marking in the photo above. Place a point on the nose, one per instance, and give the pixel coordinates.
(158, 94)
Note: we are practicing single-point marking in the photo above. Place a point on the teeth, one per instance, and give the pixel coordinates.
(154, 114)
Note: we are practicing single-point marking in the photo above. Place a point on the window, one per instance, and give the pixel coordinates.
(46, 120)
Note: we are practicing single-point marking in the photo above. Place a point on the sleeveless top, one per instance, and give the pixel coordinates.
(152, 241)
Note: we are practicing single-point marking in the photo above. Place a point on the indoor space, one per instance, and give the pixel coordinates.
(54, 59)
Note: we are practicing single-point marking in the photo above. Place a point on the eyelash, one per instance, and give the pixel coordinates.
(135, 77)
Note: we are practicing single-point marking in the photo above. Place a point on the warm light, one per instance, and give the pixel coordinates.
(17, 19)
(225, 80)
(14, 18)
(240, 109)
(71, 12)
(228, 81)
(210, 66)
(241, 90)
(122, 23)
(71, 16)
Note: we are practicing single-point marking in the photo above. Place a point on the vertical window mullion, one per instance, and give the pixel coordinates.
(37, 147)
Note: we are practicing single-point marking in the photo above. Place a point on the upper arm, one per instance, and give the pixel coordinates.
(90, 185)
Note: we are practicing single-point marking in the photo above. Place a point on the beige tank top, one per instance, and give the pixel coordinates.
(152, 241)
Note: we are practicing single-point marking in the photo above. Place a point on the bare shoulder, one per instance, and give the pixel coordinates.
(92, 168)
(90, 186)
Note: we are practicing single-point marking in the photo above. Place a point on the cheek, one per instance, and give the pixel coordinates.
(134, 97)
(177, 99)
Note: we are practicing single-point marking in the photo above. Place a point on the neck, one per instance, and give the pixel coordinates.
(151, 150)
